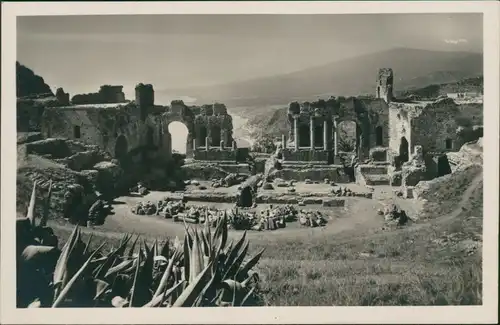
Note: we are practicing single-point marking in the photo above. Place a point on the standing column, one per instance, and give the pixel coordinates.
(311, 132)
(283, 144)
(335, 136)
(207, 144)
(221, 144)
(325, 135)
(296, 132)
(233, 145)
(194, 144)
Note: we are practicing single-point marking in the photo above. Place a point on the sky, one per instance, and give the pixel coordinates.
(80, 53)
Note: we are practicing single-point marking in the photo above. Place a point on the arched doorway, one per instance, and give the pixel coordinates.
(121, 148)
(304, 136)
(202, 136)
(215, 135)
(179, 136)
(443, 166)
(246, 197)
(379, 136)
(348, 136)
(404, 150)
(318, 135)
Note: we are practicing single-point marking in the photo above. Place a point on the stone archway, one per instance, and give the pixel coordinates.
(246, 197)
(121, 148)
(404, 150)
(443, 166)
(184, 117)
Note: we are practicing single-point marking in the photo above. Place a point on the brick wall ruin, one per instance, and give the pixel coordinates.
(106, 94)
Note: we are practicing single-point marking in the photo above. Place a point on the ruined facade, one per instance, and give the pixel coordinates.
(314, 128)
(210, 130)
(132, 129)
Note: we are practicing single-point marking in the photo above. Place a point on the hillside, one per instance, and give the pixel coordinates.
(413, 68)
(474, 84)
(29, 83)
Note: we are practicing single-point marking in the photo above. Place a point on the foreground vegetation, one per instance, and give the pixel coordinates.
(203, 270)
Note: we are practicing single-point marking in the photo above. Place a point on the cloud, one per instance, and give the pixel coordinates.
(455, 41)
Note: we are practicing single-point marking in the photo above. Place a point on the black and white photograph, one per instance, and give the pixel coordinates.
(250, 160)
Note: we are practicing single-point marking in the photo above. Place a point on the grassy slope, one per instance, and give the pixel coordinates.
(408, 266)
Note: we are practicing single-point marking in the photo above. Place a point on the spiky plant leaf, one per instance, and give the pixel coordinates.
(193, 290)
(62, 268)
(167, 273)
(134, 284)
(132, 248)
(46, 207)
(247, 296)
(118, 268)
(246, 267)
(233, 268)
(31, 208)
(165, 250)
(196, 258)
(63, 295)
(159, 299)
(233, 253)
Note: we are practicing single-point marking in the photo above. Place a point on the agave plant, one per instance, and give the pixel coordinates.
(201, 270)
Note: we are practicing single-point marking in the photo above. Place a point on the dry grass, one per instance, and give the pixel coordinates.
(427, 263)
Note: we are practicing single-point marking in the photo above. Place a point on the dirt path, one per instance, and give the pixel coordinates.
(359, 215)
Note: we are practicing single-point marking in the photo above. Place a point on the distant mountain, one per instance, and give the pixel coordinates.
(28, 83)
(413, 68)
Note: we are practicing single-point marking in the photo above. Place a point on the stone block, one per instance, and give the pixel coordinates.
(333, 202)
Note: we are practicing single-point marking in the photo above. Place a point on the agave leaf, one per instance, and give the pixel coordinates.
(165, 250)
(193, 290)
(61, 269)
(209, 289)
(196, 259)
(166, 275)
(158, 300)
(248, 295)
(101, 287)
(37, 253)
(249, 264)
(234, 251)
(187, 261)
(46, 208)
(87, 246)
(232, 269)
(134, 284)
(177, 243)
(111, 258)
(132, 248)
(204, 244)
(62, 296)
(118, 268)
(31, 208)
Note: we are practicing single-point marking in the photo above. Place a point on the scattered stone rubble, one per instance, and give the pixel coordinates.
(394, 215)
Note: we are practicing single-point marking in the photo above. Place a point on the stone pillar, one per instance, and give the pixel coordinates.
(311, 132)
(335, 137)
(221, 144)
(296, 132)
(207, 143)
(194, 144)
(283, 143)
(325, 135)
(234, 145)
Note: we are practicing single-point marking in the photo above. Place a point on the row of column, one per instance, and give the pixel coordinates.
(312, 134)
(207, 144)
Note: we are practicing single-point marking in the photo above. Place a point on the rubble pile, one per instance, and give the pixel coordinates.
(394, 215)
(165, 208)
(228, 181)
(312, 219)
